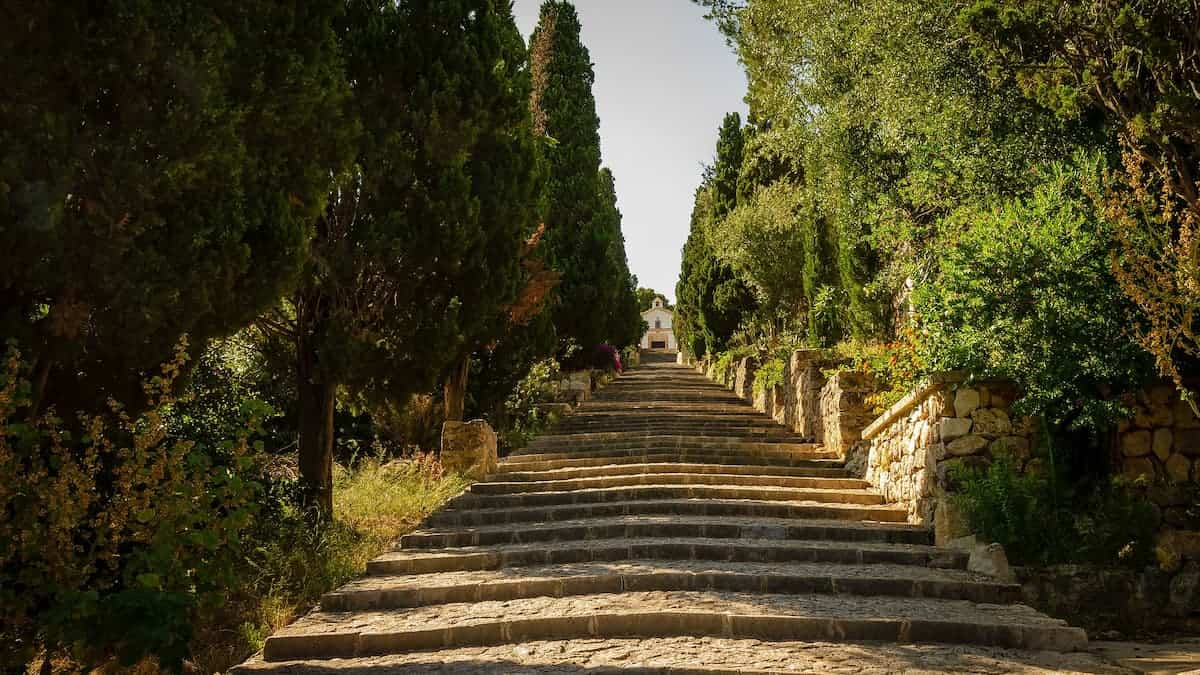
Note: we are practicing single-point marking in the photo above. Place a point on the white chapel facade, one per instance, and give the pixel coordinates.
(659, 333)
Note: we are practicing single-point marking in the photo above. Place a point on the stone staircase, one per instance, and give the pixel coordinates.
(667, 518)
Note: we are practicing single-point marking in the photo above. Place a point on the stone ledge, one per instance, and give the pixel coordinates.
(910, 400)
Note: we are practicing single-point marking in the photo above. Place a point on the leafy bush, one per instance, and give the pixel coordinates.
(524, 417)
(769, 375)
(896, 366)
(293, 564)
(113, 533)
(1027, 294)
(1041, 520)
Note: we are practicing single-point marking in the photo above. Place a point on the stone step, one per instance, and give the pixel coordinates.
(666, 614)
(736, 508)
(753, 443)
(521, 464)
(420, 590)
(733, 410)
(497, 487)
(678, 527)
(614, 470)
(599, 495)
(426, 561)
(687, 655)
(587, 429)
(746, 452)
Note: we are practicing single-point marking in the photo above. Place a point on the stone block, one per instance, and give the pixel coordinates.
(1179, 468)
(1137, 467)
(951, 428)
(469, 448)
(990, 560)
(949, 523)
(1187, 441)
(1136, 443)
(966, 400)
(1016, 447)
(967, 445)
(991, 422)
(1162, 443)
(1184, 417)
(1184, 595)
(1153, 416)
(1183, 544)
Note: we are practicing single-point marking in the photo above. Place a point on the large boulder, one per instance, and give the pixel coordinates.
(469, 448)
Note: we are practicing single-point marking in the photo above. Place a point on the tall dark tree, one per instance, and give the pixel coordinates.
(419, 251)
(624, 316)
(713, 301)
(162, 169)
(580, 237)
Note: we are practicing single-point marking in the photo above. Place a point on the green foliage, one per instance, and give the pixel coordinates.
(1027, 294)
(896, 367)
(595, 299)
(114, 536)
(1040, 520)
(524, 418)
(163, 165)
(292, 563)
(417, 257)
(713, 302)
(770, 375)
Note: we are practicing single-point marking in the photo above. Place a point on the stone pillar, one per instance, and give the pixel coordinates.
(469, 448)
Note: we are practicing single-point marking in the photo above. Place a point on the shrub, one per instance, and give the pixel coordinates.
(1027, 294)
(1042, 520)
(113, 534)
(525, 419)
(769, 375)
(896, 366)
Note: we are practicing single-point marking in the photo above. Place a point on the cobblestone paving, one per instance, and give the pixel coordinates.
(715, 655)
(657, 544)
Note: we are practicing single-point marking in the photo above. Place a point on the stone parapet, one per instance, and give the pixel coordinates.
(944, 422)
(469, 448)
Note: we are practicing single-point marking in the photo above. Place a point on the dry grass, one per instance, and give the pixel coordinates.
(374, 503)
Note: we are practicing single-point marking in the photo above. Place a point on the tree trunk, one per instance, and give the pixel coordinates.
(316, 395)
(455, 390)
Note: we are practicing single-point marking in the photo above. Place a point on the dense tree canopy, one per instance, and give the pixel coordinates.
(418, 255)
(163, 166)
(583, 226)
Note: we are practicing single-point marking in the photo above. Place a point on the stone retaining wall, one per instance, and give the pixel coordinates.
(910, 450)
(843, 411)
(1162, 441)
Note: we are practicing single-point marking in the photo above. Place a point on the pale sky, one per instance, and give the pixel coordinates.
(664, 80)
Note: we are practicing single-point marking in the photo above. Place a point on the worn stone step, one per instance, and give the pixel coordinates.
(656, 491)
(671, 613)
(588, 428)
(679, 527)
(738, 508)
(756, 443)
(426, 561)
(513, 464)
(499, 487)
(688, 655)
(398, 591)
(733, 410)
(614, 470)
(745, 452)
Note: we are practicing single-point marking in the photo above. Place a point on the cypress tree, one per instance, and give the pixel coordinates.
(580, 234)
(162, 168)
(419, 252)
(713, 301)
(625, 317)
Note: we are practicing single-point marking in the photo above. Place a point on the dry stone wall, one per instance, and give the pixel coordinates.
(910, 450)
(1162, 441)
